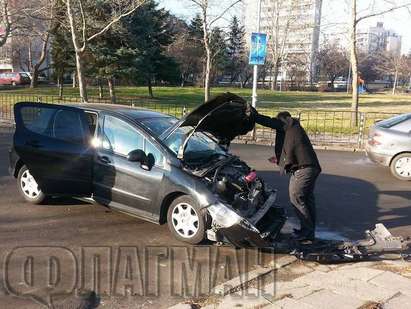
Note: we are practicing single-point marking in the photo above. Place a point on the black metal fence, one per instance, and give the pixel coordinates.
(325, 127)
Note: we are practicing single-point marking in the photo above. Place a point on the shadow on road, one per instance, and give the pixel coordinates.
(347, 205)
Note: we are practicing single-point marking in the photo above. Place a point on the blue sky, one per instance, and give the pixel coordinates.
(335, 14)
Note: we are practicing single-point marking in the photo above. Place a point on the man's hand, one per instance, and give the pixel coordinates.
(272, 160)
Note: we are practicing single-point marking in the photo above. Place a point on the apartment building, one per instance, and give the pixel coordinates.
(294, 26)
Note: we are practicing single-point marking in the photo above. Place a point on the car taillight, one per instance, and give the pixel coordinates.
(373, 141)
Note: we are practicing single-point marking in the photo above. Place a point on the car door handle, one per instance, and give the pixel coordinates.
(104, 159)
(34, 144)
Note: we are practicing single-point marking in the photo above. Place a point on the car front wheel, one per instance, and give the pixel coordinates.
(401, 166)
(28, 187)
(186, 221)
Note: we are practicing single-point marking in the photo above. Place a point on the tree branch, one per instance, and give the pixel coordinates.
(224, 11)
(115, 20)
(407, 5)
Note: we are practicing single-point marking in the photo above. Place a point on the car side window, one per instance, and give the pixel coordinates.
(53, 122)
(67, 126)
(37, 119)
(158, 156)
(120, 137)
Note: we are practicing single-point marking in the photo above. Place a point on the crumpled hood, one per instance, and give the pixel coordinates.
(225, 117)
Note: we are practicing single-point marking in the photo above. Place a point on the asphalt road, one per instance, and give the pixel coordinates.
(143, 259)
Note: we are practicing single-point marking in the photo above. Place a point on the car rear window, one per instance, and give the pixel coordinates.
(391, 122)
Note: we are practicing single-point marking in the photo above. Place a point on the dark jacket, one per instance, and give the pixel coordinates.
(293, 148)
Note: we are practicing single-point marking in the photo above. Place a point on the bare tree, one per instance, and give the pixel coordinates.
(278, 31)
(395, 65)
(356, 18)
(83, 32)
(206, 7)
(10, 17)
(40, 20)
(333, 61)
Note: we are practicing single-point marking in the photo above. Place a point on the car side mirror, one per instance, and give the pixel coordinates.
(137, 155)
(149, 163)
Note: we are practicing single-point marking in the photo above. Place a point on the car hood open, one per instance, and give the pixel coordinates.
(225, 117)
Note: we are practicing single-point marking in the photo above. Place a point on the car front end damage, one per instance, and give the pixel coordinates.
(244, 213)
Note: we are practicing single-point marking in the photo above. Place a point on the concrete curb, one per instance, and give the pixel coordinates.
(244, 279)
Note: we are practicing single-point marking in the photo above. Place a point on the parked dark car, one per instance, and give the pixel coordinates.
(149, 165)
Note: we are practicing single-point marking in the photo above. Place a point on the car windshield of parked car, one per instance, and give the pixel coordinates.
(200, 146)
(389, 123)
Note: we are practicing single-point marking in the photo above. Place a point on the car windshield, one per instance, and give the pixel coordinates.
(388, 123)
(158, 125)
(199, 148)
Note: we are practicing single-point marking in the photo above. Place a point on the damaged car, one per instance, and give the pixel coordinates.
(149, 165)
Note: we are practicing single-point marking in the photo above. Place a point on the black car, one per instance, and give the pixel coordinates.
(149, 165)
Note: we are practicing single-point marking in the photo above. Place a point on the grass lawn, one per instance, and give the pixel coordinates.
(320, 113)
(192, 96)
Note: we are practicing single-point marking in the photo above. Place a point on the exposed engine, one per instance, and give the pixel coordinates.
(236, 184)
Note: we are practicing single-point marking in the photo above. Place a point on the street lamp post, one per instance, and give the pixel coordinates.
(255, 77)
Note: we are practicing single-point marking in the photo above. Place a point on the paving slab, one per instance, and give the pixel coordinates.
(326, 299)
(292, 289)
(400, 301)
(389, 280)
(360, 273)
(290, 303)
(250, 299)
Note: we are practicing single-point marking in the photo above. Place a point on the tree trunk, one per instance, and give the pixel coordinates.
(150, 88)
(110, 83)
(354, 62)
(207, 75)
(81, 79)
(100, 89)
(61, 86)
(394, 87)
(34, 76)
(275, 76)
(36, 67)
(74, 79)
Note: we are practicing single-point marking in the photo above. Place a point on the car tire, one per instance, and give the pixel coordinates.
(28, 187)
(186, 221)
(401, 166)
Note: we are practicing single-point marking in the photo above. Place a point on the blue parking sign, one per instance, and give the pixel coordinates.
(258, 49)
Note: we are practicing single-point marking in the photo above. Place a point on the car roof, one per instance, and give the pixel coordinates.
(134, 112)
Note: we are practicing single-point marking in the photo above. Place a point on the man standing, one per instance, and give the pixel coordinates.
(295, 155)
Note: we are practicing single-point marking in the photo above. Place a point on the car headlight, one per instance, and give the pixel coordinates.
(223, 215)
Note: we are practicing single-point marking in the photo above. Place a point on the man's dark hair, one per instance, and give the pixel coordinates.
(283, 115)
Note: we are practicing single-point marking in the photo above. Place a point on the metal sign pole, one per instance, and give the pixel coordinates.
(255, 78)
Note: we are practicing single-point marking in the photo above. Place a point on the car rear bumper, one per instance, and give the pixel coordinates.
(258, 231)
(382, 159)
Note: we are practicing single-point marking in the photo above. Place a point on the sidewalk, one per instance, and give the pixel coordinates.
(366, 285)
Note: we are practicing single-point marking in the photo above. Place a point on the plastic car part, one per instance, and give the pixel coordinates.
(377, 243)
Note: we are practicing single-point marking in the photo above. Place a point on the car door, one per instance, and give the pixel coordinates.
(53, 141)
(119, 182)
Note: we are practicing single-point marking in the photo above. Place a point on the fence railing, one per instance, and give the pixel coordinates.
(325, 127)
